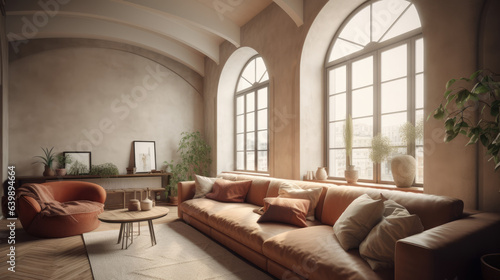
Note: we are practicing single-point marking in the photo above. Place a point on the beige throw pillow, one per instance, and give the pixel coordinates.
(203, 185)
(289, 190)
(357, 220)
(379, 246)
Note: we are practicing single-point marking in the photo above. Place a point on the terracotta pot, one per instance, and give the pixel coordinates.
(48, 171)
(173, 200)
(490, 266)
(61, 171)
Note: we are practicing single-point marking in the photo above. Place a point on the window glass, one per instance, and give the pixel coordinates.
(394, 63)
(379, 82)
(337, 107)
(362, 72)
(252, 117)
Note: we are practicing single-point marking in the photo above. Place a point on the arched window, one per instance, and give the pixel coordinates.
(252, 117)
(375, 74)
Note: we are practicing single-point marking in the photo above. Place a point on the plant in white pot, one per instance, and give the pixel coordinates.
(351, 175)
(404, 166)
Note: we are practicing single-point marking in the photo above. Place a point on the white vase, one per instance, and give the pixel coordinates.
(351, 175)
(403, 169)
(321, 174)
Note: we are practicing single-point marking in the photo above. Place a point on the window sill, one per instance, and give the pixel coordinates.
(371, 185)
(247, 173)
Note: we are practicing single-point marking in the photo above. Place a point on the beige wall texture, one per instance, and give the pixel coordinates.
(460, 37)
(98, 100)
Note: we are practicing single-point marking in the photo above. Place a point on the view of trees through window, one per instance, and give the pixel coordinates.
(375, 74)
(252, 117)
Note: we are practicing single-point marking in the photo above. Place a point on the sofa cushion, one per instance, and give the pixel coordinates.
(240, 223)
(257, 191)
(203, 185)
(203, 208)
(315, 253)
(432, 210)
(285, 210)
(357, 220)
(229, 191)
(379, 246)
(290, 190)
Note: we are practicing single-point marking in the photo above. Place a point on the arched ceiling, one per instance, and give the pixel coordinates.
(184, 30)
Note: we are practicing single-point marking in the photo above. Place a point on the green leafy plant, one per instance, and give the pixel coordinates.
(62, 160)
(48, 158)
(104, 170)
(381, 148)
(348, 136)
(194, 159)
(460, 105)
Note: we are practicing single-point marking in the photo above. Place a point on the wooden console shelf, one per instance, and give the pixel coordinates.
(21, 180)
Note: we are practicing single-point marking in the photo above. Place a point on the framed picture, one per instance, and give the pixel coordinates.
(144, 156)
(80, 163)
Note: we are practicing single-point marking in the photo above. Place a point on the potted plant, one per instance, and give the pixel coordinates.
(62, 160)
(404, 166)
(194, 159)
(105, 170)
(351, 175)
(460, 104)
(47, 159)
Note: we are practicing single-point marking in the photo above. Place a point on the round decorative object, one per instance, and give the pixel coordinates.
(146, 204)
(61, 171)
(403, 169)
(321, 174)
(48, 171)
(351, 175)
(134, 205)
(490, 266)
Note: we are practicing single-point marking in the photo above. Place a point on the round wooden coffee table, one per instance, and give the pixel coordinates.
(126, 218)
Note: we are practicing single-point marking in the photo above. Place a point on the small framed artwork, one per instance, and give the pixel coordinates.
(79, 163)
(144, 156)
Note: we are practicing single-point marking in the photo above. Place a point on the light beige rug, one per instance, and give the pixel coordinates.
(181, 253)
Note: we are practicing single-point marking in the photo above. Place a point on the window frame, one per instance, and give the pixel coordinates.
(243, 93)
(374, 49)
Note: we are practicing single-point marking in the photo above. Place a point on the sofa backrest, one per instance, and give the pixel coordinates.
(432, 210)
(263, 187)
(258, 189)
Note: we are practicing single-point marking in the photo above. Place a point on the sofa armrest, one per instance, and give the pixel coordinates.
(27, 209)
(449, 251)
(185, 191)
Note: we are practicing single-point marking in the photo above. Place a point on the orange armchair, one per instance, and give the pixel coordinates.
(77, 206)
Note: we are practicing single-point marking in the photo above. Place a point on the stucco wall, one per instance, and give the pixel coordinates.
(450, 30)
(98, 100)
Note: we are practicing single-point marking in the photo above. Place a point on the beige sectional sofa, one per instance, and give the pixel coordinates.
(449, 247)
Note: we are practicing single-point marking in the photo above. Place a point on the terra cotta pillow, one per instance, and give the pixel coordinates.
(285, 210)
(289, 190)
(229, 191)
